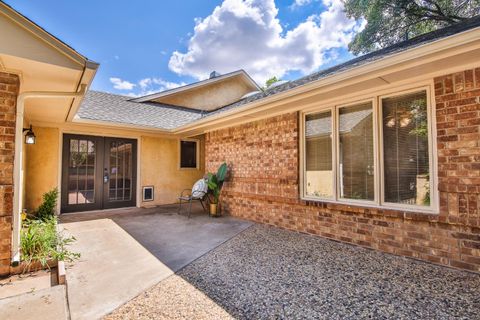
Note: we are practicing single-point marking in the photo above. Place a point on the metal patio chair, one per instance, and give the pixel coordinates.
(197, 193)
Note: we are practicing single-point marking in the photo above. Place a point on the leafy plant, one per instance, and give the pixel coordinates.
(270, 81)
(41, 241)
(47, 209)
(389, 22)
(215, 182)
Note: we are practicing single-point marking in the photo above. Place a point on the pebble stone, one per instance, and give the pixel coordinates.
(172, 298)
(269, 273)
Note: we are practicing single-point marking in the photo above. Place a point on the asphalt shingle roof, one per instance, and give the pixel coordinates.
(117, 108)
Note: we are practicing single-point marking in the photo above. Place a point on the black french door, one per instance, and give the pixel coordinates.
(98, 173)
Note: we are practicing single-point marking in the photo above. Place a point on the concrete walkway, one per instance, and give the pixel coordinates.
(45, 304)
(130, 250)
(113, 269)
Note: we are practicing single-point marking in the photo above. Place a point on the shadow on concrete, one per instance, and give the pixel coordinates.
(174, 239)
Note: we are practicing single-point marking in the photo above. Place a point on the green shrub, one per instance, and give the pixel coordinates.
(47, 208)
(41, 241)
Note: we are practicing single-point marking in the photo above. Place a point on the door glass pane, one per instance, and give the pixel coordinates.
(81, 172)
(356, 170)
(405, 149)
(120, 171)
(318, 155)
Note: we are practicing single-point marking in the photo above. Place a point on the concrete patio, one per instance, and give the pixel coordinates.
(126, 251)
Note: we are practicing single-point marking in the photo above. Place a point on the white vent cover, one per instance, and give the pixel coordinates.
(148, 192)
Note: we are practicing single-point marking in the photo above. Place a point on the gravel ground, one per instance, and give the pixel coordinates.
(268, 273)
(173, 298)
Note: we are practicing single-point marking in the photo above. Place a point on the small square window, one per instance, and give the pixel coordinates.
(188, 154)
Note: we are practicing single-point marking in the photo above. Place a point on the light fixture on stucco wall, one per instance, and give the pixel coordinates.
(30, 136)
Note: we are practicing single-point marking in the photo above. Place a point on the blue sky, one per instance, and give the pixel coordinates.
(146, 46)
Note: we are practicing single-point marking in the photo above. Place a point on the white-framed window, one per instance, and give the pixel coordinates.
(373, 152)
(189, 154)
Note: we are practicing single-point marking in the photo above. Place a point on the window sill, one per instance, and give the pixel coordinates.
(408, 210)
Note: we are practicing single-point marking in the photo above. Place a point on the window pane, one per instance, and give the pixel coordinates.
(81, 172)
(356, 170)
(188, 154)
(405, 149)
(318, 155)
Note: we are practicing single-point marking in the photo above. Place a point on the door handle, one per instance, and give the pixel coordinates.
(105, 176)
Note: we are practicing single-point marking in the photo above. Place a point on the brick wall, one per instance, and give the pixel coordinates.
(9, 85)
(264, 184)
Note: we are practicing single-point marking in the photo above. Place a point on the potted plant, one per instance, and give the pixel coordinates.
(215, 183)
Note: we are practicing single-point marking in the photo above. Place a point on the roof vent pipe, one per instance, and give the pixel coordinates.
(214, 74)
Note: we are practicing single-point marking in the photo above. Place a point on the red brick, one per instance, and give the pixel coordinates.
(264, 184)
(8, 91)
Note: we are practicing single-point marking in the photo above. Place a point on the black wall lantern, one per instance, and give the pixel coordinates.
(30, 136)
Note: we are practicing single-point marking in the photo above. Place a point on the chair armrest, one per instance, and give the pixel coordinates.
(183, 191)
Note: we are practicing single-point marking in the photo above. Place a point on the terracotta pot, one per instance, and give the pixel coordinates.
(213, 209)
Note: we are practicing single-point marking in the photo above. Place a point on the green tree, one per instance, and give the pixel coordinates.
(392, 21)
(270, 81)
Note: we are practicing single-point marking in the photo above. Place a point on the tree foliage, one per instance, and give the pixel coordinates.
(271, 81)
(389, 22)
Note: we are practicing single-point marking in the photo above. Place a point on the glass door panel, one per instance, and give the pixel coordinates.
(97, 173)
(80, 190)
(120, 165)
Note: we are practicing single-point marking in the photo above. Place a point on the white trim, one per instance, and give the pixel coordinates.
(138, 201)
(335, 159)
(376, 100)
(143, 193)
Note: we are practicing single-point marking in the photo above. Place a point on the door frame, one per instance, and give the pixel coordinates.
(133, 189)
(63, 170)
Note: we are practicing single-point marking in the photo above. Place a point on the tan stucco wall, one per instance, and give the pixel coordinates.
(159, 167)
(159, 164)
(211, 96)
(42, 162)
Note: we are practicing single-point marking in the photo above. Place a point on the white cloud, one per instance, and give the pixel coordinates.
(246, 34)
(299, 3)
(157, 84)
(146, 86)
(120, 84)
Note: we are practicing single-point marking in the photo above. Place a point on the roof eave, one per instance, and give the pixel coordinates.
(383, 63)
(46, 36)
(194, 85)
(78, 120)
